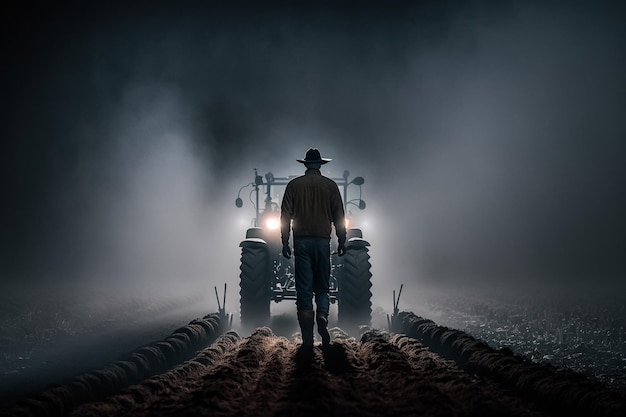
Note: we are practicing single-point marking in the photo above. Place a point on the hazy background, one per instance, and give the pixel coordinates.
(491, 135)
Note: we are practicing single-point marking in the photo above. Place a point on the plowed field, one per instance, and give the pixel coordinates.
(267, 375)
(423, 369)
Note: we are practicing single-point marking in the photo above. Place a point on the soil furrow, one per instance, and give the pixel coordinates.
(464, 392)
(271, 387)
(146, 397)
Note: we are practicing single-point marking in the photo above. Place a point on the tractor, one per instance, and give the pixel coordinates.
(267, 276)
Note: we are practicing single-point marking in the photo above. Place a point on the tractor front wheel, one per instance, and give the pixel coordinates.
(254, 284)
(355, 305)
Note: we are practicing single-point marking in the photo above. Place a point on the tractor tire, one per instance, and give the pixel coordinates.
(355, 305)
(254, 290)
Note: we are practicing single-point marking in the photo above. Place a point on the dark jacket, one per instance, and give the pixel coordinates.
(314, 203)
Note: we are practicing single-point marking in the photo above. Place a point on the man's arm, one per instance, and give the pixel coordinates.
(286, 214)
(339, 216)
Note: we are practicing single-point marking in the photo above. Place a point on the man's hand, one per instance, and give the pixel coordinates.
(286, 251)
(341, 250)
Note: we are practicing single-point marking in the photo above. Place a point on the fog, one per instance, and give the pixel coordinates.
(490, 136)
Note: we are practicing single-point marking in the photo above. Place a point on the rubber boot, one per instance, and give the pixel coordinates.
(305, 319)
(322, 328)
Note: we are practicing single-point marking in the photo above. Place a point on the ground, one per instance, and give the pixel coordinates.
(268, 375)
(263, 372)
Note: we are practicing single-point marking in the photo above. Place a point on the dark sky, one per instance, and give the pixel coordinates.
(492, 135)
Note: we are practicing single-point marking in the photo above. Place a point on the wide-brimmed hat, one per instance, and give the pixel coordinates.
(313, 156)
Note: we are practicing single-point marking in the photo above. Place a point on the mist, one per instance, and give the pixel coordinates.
(490, 136)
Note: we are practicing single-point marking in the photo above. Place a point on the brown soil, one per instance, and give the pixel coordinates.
(267, 375)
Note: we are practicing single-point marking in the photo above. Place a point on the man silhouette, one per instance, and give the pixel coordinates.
(311, 205)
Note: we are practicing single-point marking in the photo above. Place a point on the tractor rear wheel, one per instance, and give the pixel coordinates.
(355, 305)
(254, 284)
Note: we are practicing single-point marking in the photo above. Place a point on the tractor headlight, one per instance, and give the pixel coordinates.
(272, 223)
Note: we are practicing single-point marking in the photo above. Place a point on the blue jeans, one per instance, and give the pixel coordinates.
(312, 264)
